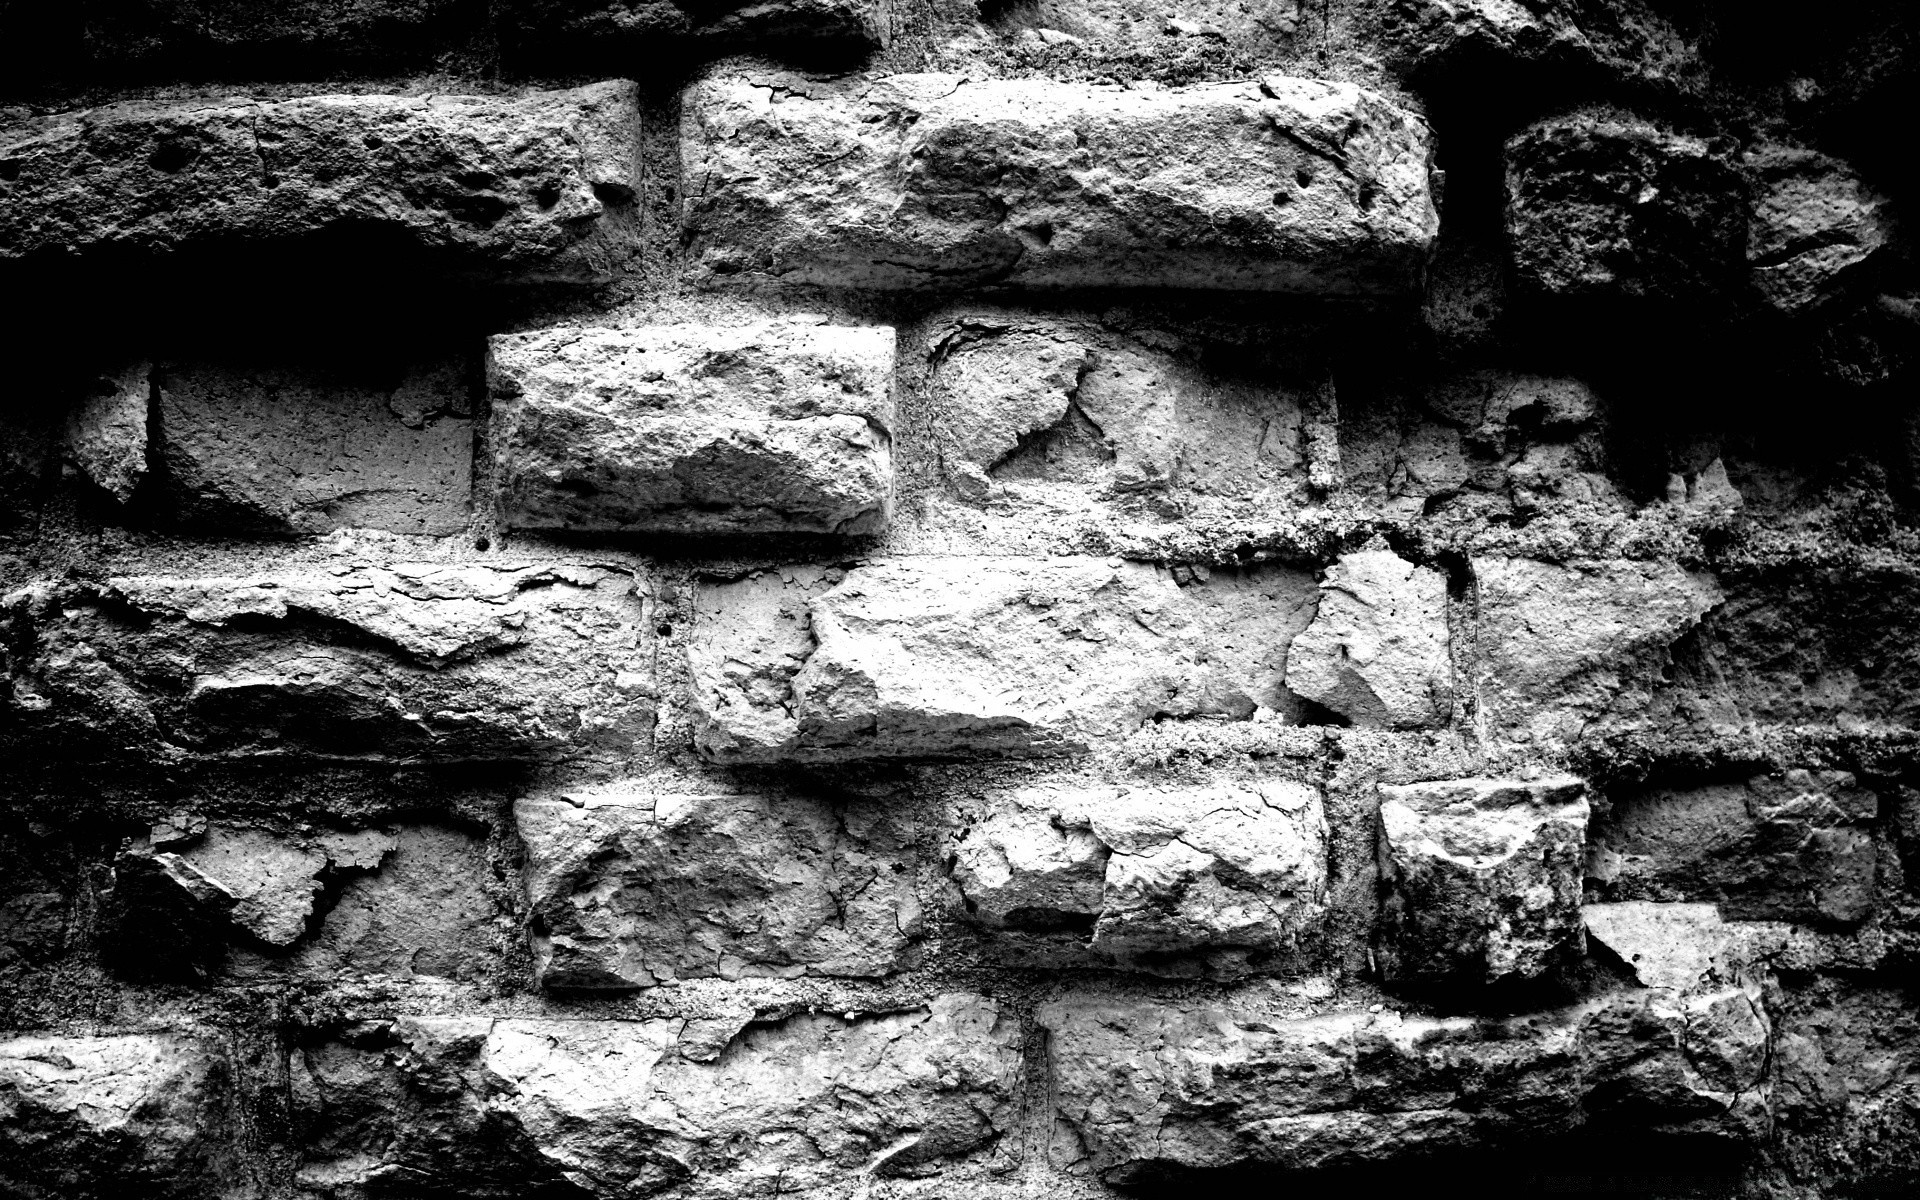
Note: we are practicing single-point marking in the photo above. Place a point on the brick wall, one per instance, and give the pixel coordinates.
(1064, 598)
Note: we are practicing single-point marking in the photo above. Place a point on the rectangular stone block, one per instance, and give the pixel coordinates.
(1155, 1090)
(774, 428)
(1797, 846)
(1174, 880)
(403, 662)
(932, 180)
(1483, 877)
(609, 1108)
(134, 1114)
(298, 450)
(966, 657)
(531, 185)
(629, 890)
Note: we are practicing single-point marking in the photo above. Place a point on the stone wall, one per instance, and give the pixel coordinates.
(1041, 598)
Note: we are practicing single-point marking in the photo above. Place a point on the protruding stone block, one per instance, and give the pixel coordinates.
(933, 181)
(1376, 652)
(1798, 846)
(1154, 1089)
(629, 890)
(304, 450)
(1613, 209)
(772, 428)
(1484, 877)
(117, 1115)
(1814, 227)
(409, 662)
(609, 1108)
(523, 185)
(971, 657)
(1175, 880)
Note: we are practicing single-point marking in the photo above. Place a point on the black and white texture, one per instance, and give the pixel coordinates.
(980, 600)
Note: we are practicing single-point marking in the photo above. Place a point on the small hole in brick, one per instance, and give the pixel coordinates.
(9, 169)
(664, 629)
(547, 196)
(481, 543)
(1368, 193)
(170, 157)
(1281, 199)
(1303, 176)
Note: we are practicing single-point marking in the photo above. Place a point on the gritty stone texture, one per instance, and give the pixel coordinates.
(633, 890)
(532, 185)
(1026, 404)
(273, 449)
(614, 1108)
(223, 32)
(1798, 846)
(1563, 643)
(1815, 226)
(1376, 652)
(695, 429)
(968, 657)
(1151, 1087)
(107, 436)
(114, 1115)
(1483, 877)
(1614, 209)
(932, 180)
(1175, 881)
(267, 884)
(1454, 43)
(439, 662)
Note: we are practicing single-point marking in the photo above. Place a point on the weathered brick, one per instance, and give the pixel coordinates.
(1797, 846)
(1483, 877)
(420, 660)
(695, 429)
(1155, 1089)
(1562, 643)
(1376, 652)
(1615, 209)
(617, 1108)
(629, 890)
(532, 185)
(285, 449)
(975, 657)
(1176, 880)
(918, 181)
(114, 1115)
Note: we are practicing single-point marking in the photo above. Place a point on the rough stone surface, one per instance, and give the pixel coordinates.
(1562, 644)
(1028, 405)
(1376, 652)
(1453, 44)
(1483, 877)
(969, 657)
(275, 449)
(932, 180)
(114, 1115)
(756, 429)
(633, 890)
(1150, 1088)
(1179, 881)
(1610, 209)
(107, 434)
(1799, 846)
(1815, 226)
(575, 26)
(160, 667)
(532, 185)
(483, 1106)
